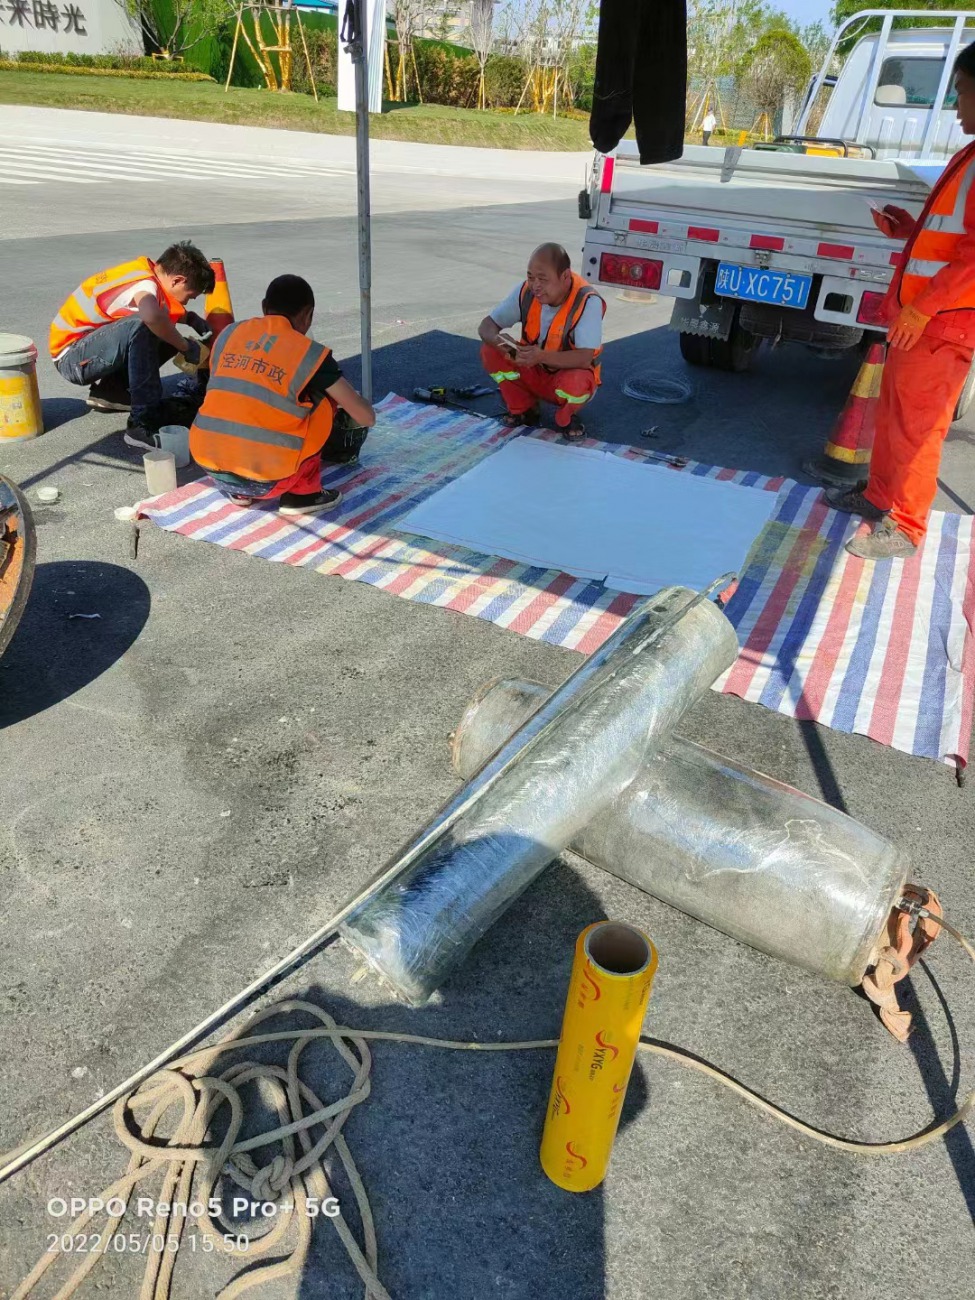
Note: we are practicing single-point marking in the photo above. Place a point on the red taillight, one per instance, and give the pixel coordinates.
(869, 313)
(637, 272)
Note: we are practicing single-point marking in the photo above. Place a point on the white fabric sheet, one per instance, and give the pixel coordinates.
(637, 527)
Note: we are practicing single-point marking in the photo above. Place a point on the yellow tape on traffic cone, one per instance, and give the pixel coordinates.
(609, 989)
(846, 457)
(219, 309)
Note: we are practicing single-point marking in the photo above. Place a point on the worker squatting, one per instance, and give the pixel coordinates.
(269, 406)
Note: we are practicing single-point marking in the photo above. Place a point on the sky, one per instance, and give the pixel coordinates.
(810, 11)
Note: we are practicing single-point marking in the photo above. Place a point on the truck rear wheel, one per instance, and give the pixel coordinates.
(737, 351)
(695, 349)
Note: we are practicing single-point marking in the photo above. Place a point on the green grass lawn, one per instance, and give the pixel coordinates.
(206, 101)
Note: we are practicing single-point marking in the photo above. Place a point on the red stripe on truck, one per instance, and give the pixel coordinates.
(645, 227)
(704, 233)
(774, 243)
(844, 251)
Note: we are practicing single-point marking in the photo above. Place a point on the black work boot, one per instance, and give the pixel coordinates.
(851, 501)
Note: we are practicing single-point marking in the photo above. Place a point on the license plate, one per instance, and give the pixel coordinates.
(753, 284)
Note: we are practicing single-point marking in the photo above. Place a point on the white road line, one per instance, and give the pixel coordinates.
(144, 168)
(192, 167)
(12, 180)
(48, 172)
(110, 172)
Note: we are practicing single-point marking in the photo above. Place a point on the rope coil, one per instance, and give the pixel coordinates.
(192, 1088)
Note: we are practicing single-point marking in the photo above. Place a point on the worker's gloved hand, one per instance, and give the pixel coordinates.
(193, 352)
(907, 328)
(197, 324)
(193, 359)
(894, 222)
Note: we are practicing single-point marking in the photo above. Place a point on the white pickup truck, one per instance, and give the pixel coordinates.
(778, 243)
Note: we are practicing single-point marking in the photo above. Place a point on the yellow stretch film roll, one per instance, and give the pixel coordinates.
(609, 989)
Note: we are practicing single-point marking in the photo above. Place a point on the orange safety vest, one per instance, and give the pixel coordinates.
(88, 307)
(939, 230)
(252, 422)
(561, 332)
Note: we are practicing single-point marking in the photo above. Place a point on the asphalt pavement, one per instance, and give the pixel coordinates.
(195, 780)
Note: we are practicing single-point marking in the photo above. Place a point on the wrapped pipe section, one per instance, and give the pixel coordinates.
(573, 757)
(745, 854)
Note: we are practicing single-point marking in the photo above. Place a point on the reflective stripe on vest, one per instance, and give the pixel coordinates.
(87, 308)
(249, 432)
(939, 230)
(562, 328)
(251, 423)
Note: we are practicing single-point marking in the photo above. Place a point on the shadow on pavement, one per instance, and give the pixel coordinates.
(61, 410)
(707, 427)
(942, 1090)
(53, 654)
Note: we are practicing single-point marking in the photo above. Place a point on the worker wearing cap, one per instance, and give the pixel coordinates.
(555, 359)
(931, 307)
(118, 329)
(277, 408)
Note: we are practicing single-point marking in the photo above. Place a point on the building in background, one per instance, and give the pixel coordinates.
(446, 20)
(68, 27)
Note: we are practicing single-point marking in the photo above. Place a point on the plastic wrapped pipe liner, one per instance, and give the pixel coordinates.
(612, 973)
(749, 856)
(572, 758)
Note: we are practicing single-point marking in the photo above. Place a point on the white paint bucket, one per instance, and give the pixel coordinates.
(160, 472)
(20, 401)
(176, 438)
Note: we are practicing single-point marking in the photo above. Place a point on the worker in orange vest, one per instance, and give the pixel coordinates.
(118, 329)
(931, 309)
(556, 358)
(277, 407)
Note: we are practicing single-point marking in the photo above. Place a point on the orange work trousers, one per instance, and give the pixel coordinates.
(918, 394)
(523, 387)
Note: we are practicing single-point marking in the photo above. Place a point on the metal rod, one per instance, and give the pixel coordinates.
(873, 78)
(360, 58)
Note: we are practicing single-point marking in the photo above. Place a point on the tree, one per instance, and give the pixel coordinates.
(777, 64)
(844, 9)
(408, 16)
(177, 26)
(816, 40)
(569, 22)
(719, 34)
(480, 33)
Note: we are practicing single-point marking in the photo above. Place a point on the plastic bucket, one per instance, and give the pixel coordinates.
(160, 472)
(176, 438)
(20, 401)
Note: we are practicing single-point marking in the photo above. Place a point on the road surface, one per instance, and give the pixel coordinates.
(199, 777)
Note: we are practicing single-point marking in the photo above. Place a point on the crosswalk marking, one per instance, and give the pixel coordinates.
(25, 163)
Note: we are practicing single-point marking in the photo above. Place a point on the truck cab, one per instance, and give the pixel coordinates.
(894, 94)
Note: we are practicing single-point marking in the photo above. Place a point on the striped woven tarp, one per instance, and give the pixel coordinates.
(883, 650)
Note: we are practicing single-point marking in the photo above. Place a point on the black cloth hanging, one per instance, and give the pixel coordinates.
(641, 75)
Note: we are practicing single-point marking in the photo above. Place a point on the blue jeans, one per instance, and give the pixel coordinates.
(126, 349)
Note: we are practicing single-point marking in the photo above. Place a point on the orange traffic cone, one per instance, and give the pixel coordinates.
(219, 309)
(846, 457)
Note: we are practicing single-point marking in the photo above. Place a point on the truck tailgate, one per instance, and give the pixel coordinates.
(794, 192)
